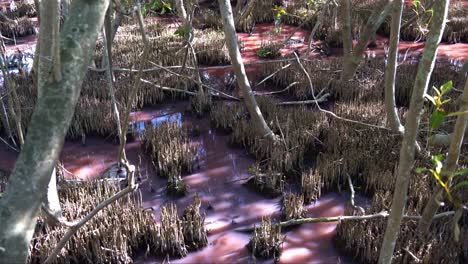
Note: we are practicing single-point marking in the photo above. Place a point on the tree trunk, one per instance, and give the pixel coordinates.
(367, 33)
(48, 40)
(450, 164)
(49, 124)
(347, 35)
(49, 62)
(407, 151)
(390, 72)
(181, 11)
(239, 70)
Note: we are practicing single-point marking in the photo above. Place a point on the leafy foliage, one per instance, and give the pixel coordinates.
(158, 6)
(439, 114)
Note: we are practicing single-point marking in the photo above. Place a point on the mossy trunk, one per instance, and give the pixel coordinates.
(408, 146)
(46, 132)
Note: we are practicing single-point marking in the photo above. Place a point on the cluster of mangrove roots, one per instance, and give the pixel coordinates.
(267, 182)
(120, 231)
(171, 153)
(266, 240)
(362, 239)
(292, 206)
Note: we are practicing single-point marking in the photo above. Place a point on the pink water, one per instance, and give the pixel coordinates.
(218, 181)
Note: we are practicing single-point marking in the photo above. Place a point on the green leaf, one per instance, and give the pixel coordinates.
(420, 170)
(460, 185)
(446, 87)
(458, 113)
(445, 101)
(460, 172)
(182, 31)
(437, 118)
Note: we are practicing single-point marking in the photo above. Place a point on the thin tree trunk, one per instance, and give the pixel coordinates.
(144, 57)
(408, 146)
(347, 35)
(450, 164)
(367, 33)
(390, 72)
(49, 124)
(239, 70)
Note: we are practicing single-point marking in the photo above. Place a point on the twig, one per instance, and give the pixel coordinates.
(168, 88)
(10, 146)
(416, 259)
(351, 189)
(315, 101)
(196, 81)
(277, 92)
(273, 74)
(326, 111)
(137, 84)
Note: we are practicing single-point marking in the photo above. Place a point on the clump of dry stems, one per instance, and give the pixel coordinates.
(171, 153)
(292, 206)
(266, 240)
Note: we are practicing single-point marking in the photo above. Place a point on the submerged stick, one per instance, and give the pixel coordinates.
(383, 214)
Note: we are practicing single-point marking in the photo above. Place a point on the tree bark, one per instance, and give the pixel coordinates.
(408, 146)
(450, 164)
(239, 70)
(48, 29)
(49, 124)
(367, 33)
(49, 62)
(390, 72)
(347, 35)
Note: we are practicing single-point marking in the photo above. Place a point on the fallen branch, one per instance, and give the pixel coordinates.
(383, 214)
(170, 89)
(326, 111)
(277, 92)
(315, 101)
(221, 67)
